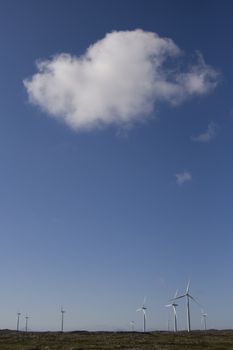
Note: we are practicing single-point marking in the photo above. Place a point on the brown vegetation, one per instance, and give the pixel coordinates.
(210, 340)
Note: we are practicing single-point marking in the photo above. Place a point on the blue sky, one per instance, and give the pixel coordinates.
(99, 210)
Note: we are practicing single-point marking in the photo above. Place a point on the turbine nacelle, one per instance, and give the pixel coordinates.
(173, 304)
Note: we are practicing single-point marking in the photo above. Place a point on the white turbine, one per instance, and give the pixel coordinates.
(187, 296)
(174, 306)
(18, 316)
(62, 318)
(26, 323)
(143, 309)
(132, 323)
(203, 318)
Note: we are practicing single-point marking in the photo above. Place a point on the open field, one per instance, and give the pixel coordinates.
(217, 340)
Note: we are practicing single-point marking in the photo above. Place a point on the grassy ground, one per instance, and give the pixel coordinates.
(214, 340)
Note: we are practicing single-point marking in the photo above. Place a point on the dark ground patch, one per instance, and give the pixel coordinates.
(197, 340)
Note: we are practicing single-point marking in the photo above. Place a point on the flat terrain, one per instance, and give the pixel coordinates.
(214, 340)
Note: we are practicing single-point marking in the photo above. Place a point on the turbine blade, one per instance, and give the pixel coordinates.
(144, 301)
(139, 309)
(190, 296)
(181, 296)
(203, 313)
(176, 293)
(188, 285)
(168, 305)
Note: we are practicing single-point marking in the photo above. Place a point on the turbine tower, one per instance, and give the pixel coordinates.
(143, 309)
(174, 306)
(203, 318)
(62, 318)
(187, 296)
(18, 316)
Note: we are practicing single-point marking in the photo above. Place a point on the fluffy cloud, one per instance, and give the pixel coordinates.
(181, 178)
(119, 80)
(208, 135)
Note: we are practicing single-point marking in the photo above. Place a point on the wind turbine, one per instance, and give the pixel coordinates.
(174, 306)
(203, 318)
(26, 322)
(132, 323)
(62, 318)
(18, 316)
(187, 296)
(143, 309)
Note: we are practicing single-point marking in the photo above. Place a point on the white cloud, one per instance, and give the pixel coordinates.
(119, 80)
(181, 178)
(208, 135)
